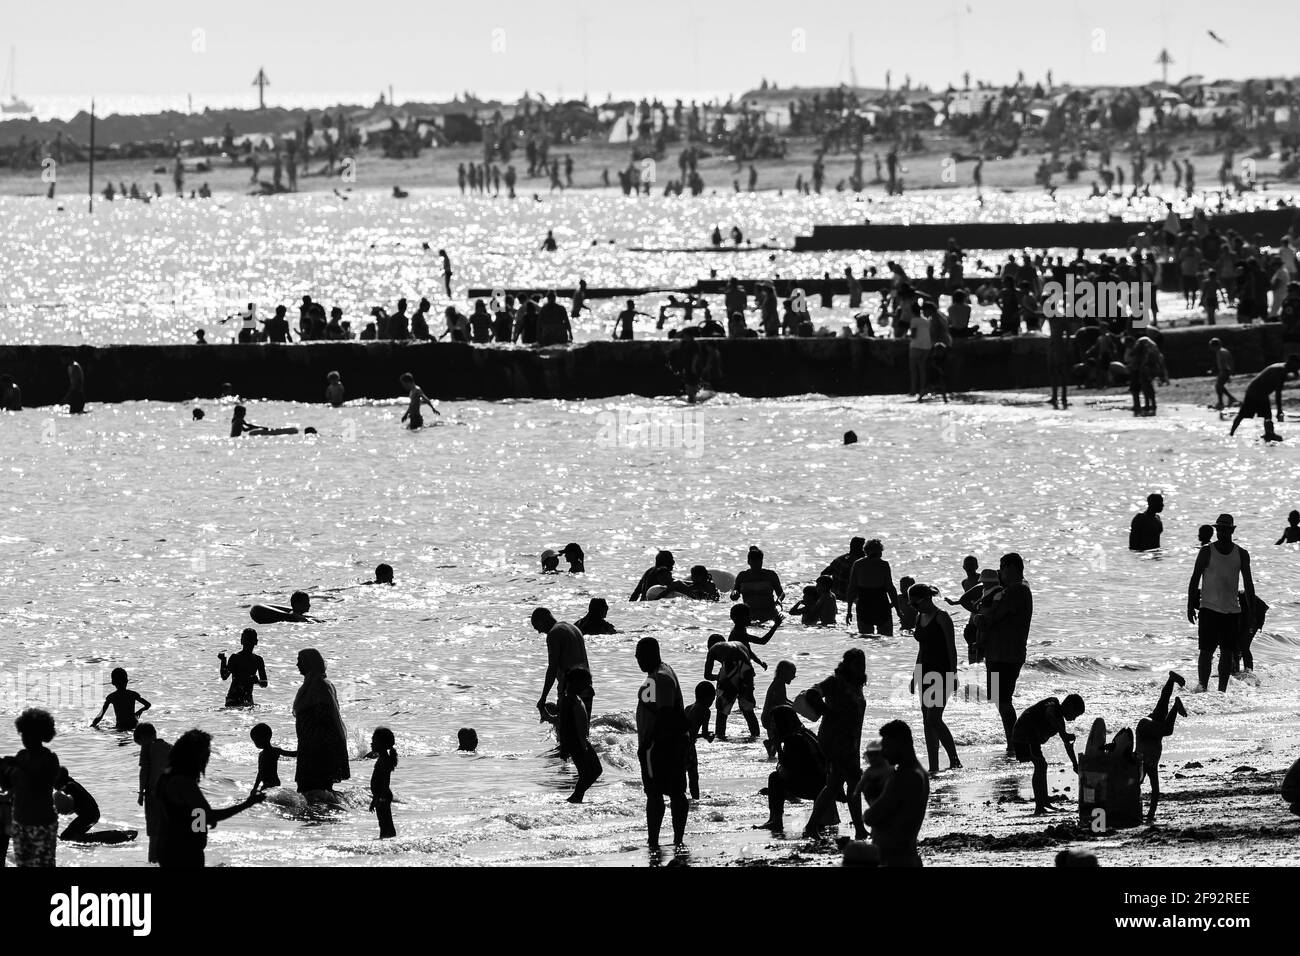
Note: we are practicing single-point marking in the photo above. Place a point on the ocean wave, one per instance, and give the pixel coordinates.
(1083, 666)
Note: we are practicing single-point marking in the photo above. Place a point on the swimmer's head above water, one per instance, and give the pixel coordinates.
(467, 739)
(300, 602)
(383, 574)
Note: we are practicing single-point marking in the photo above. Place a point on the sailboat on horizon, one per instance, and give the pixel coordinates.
(12, 104)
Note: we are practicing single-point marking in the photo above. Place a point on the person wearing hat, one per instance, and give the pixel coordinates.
(1255, 402)
(574, 555)
(200, 337)
(550, 562)
(975, 599)
(1144, 533)
(1212, 597)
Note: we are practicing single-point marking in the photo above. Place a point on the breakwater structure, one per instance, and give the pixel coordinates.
(759, 368)
(1111, 234)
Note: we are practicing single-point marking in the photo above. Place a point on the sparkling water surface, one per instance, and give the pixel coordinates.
(134, 272)
(136, 537)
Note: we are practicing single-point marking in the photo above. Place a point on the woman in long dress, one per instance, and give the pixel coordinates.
(322, 739)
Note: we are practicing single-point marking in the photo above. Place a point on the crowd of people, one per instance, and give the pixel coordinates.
(887, 800)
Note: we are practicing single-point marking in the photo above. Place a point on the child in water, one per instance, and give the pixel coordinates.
(268, 761)
(778, 695)
(467, 740)
(906, 613)
(806, 606)
(574, 726)
(550, 562)
(417, 400)
(697, 725)
(383, 747)
(1204, 535)
(1291, 533)
(154, 754)
(334, 393)
(244, 669)
(123, 702)
(1151, 732)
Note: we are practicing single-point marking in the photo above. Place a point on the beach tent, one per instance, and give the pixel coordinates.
(624, 129)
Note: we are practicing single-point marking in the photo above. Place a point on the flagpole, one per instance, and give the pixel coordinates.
(91, 184)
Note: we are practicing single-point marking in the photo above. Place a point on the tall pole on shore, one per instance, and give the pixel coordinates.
(90, 185)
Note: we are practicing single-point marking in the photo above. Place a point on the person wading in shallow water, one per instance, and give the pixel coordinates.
(661, 743)
(1005, 625)
(322, 738)
(1144, 533)
(871, 587)
(1212, 594)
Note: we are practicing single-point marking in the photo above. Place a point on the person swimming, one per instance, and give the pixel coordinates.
(295, 612)
(383, 575)
(467, 740)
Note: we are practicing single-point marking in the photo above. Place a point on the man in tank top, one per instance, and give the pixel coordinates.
(1213, 592)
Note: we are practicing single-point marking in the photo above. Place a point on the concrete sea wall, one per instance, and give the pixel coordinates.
(751, 367)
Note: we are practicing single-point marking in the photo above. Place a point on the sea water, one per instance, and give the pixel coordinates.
(136, 272)
(134, 536)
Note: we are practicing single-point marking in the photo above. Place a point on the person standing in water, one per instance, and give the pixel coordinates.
(838, 570)
(1005, 630)
(1212, 596)
(1223, 369)
(661, 743)
(565, 650)
(185, 814)
(759, 587)
(322, 738)
(244, 669)
(76, 397)
(1144, 533)
(935, 677)
(839, 702)
(446, 271)
(417, 399)
(871, 587)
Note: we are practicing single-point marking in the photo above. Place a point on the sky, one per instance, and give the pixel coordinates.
(571, 47)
